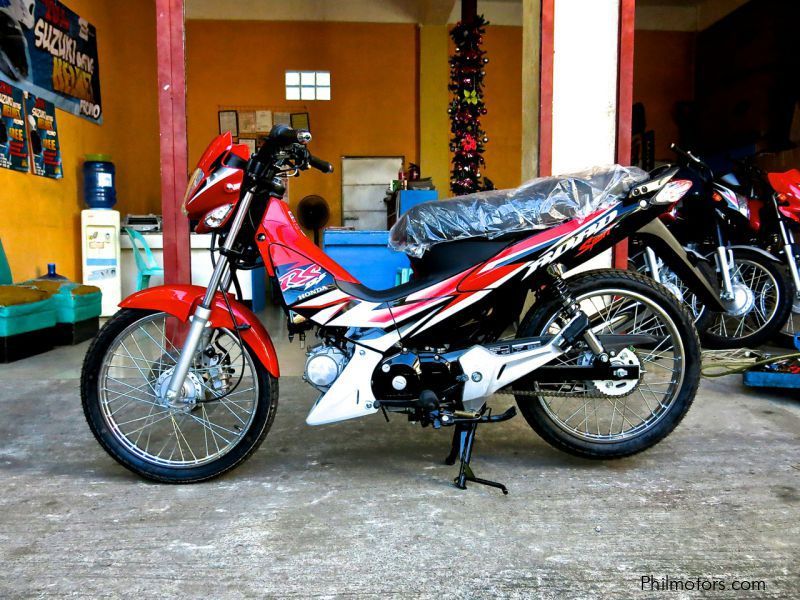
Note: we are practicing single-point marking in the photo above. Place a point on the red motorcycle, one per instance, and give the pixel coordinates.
(774, 218)
(181, 385)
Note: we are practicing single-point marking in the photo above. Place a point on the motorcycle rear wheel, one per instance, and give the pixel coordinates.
(231, 403)
(657, 405)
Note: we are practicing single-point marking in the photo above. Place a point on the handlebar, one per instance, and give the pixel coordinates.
(319, 164)
(694, 163)
(283, 138)
(283, 135)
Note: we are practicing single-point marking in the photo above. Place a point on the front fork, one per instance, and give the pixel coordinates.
(725, 264)
(221, 275)
(788, 249)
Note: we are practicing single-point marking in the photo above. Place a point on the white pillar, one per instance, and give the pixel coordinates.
(585, 69)
(585, 61)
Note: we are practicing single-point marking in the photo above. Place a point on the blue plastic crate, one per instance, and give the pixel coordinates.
(771, 379)
(365, 255)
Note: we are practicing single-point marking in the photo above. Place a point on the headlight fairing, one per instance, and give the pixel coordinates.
(194, 182)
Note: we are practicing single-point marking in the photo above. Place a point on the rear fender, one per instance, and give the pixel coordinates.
(180, 302)
(769, 256)
(656, 235)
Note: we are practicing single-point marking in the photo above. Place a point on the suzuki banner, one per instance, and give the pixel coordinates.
(49, 51)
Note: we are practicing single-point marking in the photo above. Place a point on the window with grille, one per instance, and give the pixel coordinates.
(308, 85)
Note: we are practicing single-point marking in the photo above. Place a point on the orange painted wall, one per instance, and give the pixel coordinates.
(503, 96)
(663, 75)
(373, 110)
(41, 217)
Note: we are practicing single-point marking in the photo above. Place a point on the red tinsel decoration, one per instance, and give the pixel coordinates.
(466, 82)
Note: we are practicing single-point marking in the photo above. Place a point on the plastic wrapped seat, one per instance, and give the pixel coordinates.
(537, 204)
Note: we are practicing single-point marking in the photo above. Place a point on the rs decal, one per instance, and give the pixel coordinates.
(302, 277)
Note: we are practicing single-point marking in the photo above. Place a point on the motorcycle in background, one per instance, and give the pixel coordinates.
(753, 286)
(774, 205)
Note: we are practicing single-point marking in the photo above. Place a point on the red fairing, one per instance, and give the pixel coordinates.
(786, 183)
(181, 300)
(788, 186)
(221, 183)
(755, 207)
(280, 227)
(219, 145)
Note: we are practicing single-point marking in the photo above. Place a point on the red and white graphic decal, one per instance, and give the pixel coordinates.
(302, 277)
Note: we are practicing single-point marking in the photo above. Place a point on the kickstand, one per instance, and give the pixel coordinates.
(463, 441)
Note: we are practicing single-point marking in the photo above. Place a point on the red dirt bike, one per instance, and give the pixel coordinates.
(181, 385)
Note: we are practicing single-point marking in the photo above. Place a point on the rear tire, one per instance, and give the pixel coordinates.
(94, 395)
(540, 414)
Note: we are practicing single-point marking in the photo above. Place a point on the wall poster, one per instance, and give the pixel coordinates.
(43, 137)
(13, 140)
(48, 50)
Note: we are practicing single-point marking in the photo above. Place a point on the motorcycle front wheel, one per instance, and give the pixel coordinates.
(614, 419)
(669, 279)
(762, 304)
(785, 337)
(224, 412)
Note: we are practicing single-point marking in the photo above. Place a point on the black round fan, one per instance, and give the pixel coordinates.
(313, 213)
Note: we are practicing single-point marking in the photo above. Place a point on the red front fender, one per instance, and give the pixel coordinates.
(180, 301)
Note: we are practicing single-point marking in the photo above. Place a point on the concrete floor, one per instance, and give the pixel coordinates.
(367, 509)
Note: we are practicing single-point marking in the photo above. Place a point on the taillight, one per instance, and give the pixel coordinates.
(672, 192)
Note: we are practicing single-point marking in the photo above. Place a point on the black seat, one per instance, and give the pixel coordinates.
(437, 264)
(536, 205)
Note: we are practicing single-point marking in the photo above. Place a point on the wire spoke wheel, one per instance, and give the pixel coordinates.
(617, 417)
(614, 418)
(673, 283)
(756, 301)
(206, 430)
(792, 325)
(205, 423)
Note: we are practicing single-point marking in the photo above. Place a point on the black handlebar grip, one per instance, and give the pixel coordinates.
(320, 165)
(283, 135)
(681, 152)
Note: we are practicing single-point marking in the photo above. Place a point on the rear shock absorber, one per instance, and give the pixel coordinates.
(573, 310)
(562, 291)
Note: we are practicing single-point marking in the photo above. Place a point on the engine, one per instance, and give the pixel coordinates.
(324, 364)
(404, 375)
